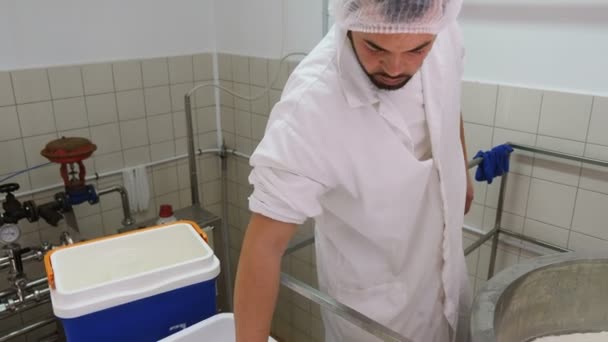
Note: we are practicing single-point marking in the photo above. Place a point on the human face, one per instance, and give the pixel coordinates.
(390, 60)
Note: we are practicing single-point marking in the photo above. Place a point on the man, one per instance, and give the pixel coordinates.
(367, 139)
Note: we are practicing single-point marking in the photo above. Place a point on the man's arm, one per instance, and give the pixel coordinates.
(257, 279)
(470, 189)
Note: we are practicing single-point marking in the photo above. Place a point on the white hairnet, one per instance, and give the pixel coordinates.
(395, 16)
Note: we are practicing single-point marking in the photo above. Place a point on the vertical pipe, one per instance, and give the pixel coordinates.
(225, 237)
(191, 154)
(499, 209)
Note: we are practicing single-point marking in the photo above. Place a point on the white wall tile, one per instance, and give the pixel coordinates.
(160, 128)
(228, 119)
(165, 180)
(98, 78)
(109, 162)
(489, 219)
(181, 69)
(590, 214)
(278, 74)
(137, 156)
(155, 72)
(205, 97)
(203, 67)
(181, 146)
(106, 137)
(179, 124)
(516, 197)
(7, 97)
(33, 146)
(134, 133)
(258, 126)
(36, 118)
(599, 122)
(260, 106)
(12, 150)
(162, 150)
(546, 232)
(225, 66)
(521, 161)
(183, 175)
(505, 259)
(514, 223)
(211, 193)
(551, 203)
(595, 177)
(586, 244)
(66, 82)
(474, 218)
(243, 124)
(158, 100)
(9, 129)
(130, 104)
(240, 69)
(31, 85)
(70, 113)
(518, 108)
(243, 90)
(206, 120)
(258, 68)
(558, 169)
(91, 227)
(480, 188)
(226, 100)
(171, 199)
(178, 91)
(479, 103)
(477, 137)
(112, 221)
(101, 109)
(565, 115)
(127, 75)
(45, 176)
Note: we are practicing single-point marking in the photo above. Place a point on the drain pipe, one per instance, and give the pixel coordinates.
(124, 198)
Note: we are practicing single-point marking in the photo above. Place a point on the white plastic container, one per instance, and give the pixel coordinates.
(145, 284)
(219, 328)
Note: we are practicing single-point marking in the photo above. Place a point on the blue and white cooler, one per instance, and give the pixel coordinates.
(137, 286)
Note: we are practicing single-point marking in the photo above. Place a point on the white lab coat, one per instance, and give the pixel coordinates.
(388, 226)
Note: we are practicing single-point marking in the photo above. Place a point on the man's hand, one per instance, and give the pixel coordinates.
(470, 194)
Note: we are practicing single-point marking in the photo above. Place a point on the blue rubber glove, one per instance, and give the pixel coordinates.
(495, 163)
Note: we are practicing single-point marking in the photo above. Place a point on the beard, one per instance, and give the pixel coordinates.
(375, 77)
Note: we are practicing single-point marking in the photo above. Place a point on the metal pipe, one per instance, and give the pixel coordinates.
(499, 210)
(480, 242)
(559, 154)
(191, 157)
(23, 308)
(33, 283)
(35, 254)
(124, 198)
(225, 243)
(343, 311)
(474, 162)
(299, 245)
(535, 241)
(27, 329)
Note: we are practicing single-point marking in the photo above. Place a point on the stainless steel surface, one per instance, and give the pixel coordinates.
(551, 295)
(535, 241)
(559, 154)
(353, 316)
(499, 209)
(31, 305)
(224, 243)
(191, 154)
(124, 198)
(27, 329)
(480, 241)
(197, 214)
(29, 285)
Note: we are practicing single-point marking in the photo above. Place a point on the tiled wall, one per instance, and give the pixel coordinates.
(551, 199)
(134, 112)
(243, 124)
